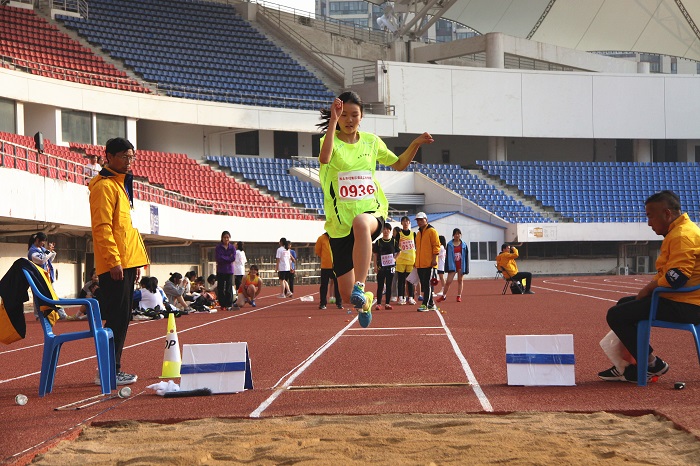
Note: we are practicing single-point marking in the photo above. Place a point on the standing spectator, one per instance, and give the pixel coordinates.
(282, 267)
(92, 168)
(457, 261)
(225, 255)
(427, 248)
(323, 250)
(405, 261)
(239, 264)
(292, 266)
(119, 249)
(395, 281)
(385, 253)
(442, 255)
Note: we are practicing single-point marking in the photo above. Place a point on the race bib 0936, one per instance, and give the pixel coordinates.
(355, 186)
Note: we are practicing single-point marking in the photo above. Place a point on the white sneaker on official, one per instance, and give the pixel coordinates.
(411, 301)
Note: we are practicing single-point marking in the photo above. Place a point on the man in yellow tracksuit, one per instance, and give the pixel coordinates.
(323, 250)
(506, 264)
(678, 266)
(427, 249)
(118, 246)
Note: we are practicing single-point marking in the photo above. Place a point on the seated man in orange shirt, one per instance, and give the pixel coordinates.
(506, 264)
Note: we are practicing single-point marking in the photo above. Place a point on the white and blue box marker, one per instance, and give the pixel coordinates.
(220, 367)
(540, 360)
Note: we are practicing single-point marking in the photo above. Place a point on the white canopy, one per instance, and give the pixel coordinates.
(667, 27)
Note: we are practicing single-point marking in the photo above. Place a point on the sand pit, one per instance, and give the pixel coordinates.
(518, 438)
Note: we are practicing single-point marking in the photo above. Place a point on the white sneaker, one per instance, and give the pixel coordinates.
(411, 301)
(394, 299)
(402, 301)
(282, 296)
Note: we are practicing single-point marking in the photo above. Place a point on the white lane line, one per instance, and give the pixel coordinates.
(577, 294)
(212, 322)
(480, 395)
(585, 287)
(390, 328)
(611, 284)
(298, 371)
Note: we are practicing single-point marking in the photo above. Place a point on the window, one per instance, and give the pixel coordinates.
(175, 255)
(483, 251)
(76, 126)
(108, 127)
(247, 143)
(7, 116)
(348, 8)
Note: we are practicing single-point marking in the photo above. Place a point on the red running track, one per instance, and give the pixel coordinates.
(310, 361)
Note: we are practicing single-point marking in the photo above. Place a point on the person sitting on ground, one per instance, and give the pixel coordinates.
(190, 275)
(150, 295)
(250, 288)
(506, 264)
(86, 287)
(678, 266)
(91, 293)
(174, 291)
(211, 285)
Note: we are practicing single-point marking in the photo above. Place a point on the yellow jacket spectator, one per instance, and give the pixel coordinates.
(678, 266)
(427, 249)
(323, 250)
(506, 264)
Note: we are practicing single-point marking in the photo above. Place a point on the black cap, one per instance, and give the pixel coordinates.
(116, 145)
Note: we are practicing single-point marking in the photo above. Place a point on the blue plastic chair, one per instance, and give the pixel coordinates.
(103, 337)
(644, 331)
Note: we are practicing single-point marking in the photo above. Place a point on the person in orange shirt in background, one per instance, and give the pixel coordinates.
(323, 250)
(427, 249)
(251, 286)
(506, 261)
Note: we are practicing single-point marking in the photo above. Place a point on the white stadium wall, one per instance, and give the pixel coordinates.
(541, 104)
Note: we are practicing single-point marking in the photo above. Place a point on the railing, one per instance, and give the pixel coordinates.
(71, 6)
(19, 157)
(275, 14)
(334, 26)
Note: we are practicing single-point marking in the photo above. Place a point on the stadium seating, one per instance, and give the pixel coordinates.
(200, 50)
(482, 193)
(29, 42)
(274, 175)
(173, 180)
(599, 191)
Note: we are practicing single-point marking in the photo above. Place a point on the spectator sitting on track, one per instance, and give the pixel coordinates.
(93, 289)
(506, 262)
(150, 295)
(211, 285)
(174, 291)
(86, 287)
(190, 275)
(251, 286)
(678, 266)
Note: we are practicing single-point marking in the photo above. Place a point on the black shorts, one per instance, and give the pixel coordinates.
(342, 249)
(283, 275)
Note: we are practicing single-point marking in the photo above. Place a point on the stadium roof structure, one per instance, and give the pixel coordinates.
(666, 27)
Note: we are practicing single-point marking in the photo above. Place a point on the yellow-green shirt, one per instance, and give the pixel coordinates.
(348, 182)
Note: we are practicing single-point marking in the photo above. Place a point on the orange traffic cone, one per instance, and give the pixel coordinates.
(171, 359)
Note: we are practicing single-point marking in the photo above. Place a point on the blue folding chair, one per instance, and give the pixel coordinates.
(103, 337)
(644, 331)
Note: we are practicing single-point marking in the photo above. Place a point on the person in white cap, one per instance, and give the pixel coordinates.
(427, 249)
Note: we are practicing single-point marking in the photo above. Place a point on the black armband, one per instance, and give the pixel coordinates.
(676, 279)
